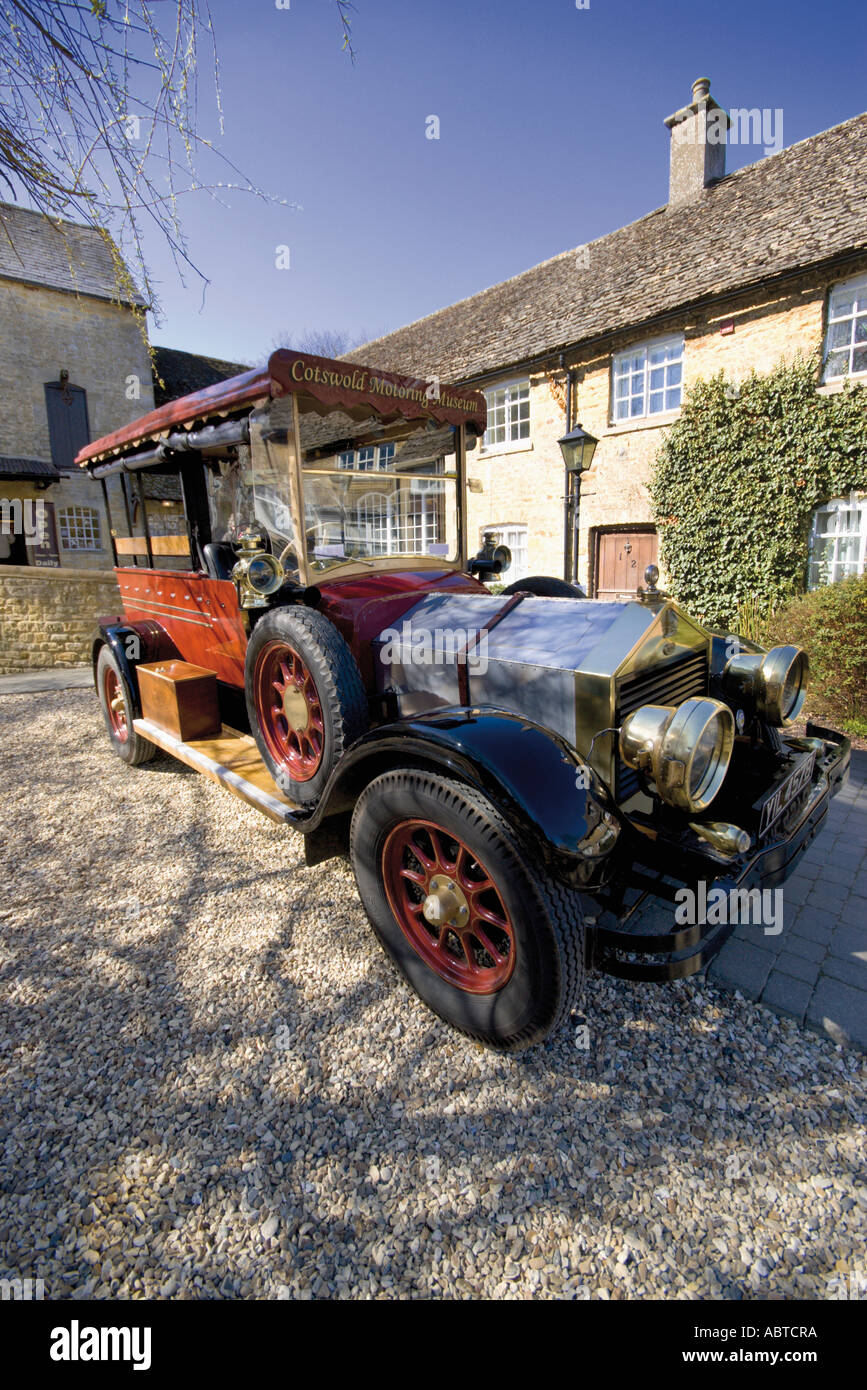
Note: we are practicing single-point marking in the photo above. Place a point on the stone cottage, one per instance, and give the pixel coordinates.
(735, 272)
(74, 364)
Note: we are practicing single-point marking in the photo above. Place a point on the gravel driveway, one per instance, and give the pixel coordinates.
(214, 1085)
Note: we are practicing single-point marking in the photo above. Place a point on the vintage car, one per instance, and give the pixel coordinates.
(514, 769)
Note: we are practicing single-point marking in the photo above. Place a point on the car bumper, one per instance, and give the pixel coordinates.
(636, 955)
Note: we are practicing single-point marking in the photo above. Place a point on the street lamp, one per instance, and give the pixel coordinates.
(577, 448)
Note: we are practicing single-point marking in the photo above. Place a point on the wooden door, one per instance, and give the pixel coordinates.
(621, 559)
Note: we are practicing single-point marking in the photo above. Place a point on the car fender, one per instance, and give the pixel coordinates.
(541, 785)
(131, 643)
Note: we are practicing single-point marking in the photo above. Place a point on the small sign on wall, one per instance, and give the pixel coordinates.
(44, 551)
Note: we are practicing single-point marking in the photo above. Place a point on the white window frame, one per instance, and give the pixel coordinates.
(516, 394)
(411, 532)
(856, 321)
(375, 517)
(377, 458)
(833, 522)
(514, 534)
(634, 367)
(79, 527)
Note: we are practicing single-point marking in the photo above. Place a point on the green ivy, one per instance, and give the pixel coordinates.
(738, 478)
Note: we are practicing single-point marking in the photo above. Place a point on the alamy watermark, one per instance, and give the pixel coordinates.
(440, 646)
(77, 1343)
(739, 906)
(741, 126)
(848, 1286)
(24, 517)
(21, 1290)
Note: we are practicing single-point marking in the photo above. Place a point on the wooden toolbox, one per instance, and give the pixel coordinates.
(180, 698)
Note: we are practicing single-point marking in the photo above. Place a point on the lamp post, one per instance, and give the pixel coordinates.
(577, 448)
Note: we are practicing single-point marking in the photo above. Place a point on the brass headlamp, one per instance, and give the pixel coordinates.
(257, 574)
(773, 684)
(684, 750)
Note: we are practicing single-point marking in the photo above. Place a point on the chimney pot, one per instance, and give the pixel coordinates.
(698, 145)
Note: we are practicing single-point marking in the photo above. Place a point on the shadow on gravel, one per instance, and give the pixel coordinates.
(215, 1086)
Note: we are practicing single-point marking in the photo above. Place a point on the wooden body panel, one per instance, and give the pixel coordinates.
(200, 615)
(160, 545)
(180, 698)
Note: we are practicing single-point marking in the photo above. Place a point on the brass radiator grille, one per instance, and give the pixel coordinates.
(658, 685)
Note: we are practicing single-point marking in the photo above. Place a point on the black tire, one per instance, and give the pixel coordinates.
(116, 703)
(545, 586)
(330, 696)
(544, 918)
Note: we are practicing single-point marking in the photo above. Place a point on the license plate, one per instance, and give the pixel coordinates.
(786, 793)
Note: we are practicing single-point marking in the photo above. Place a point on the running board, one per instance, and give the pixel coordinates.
(230, 759)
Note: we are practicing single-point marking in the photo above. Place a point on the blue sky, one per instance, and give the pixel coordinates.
(551, 134)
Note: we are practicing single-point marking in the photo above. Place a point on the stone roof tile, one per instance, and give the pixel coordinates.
(801, 207)
(60, 255)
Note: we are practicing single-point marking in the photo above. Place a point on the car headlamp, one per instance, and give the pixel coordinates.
(773, 684)
(684, 750)
(257, 574)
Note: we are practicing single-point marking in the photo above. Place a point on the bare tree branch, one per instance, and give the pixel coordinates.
(322, 342)
(99, 121)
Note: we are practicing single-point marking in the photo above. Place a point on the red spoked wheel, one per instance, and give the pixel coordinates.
(115, 705)
(305, 699)
(467, 913)
(117, 702)
(290, 711)
(448, 907)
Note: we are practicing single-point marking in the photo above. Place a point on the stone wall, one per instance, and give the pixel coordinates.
(48, 616)
(43, 332)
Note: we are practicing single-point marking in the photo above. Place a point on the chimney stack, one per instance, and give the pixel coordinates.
(698, 145)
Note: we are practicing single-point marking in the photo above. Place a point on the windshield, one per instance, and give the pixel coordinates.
(371, 490)
(272, 452)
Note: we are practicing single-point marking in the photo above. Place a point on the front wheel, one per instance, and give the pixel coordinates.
(486, 940)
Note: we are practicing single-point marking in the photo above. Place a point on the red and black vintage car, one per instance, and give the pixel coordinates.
(513, 768)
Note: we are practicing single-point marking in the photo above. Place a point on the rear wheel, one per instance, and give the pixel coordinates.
(545, 586)
(488, 942)
(305, 699)
(115, 699)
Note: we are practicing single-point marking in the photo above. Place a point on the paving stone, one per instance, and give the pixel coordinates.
(849, 839)
(787, 995)
(803, 946)
(845, 878)
(796, 889)
(852, 972)
(849, 943)
(854, 913)
(812, 921)
(790, 963)
(807, 930)
(742, 966)
(839, 1010)
(823, 947)
(827, 896)
(849, 858)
